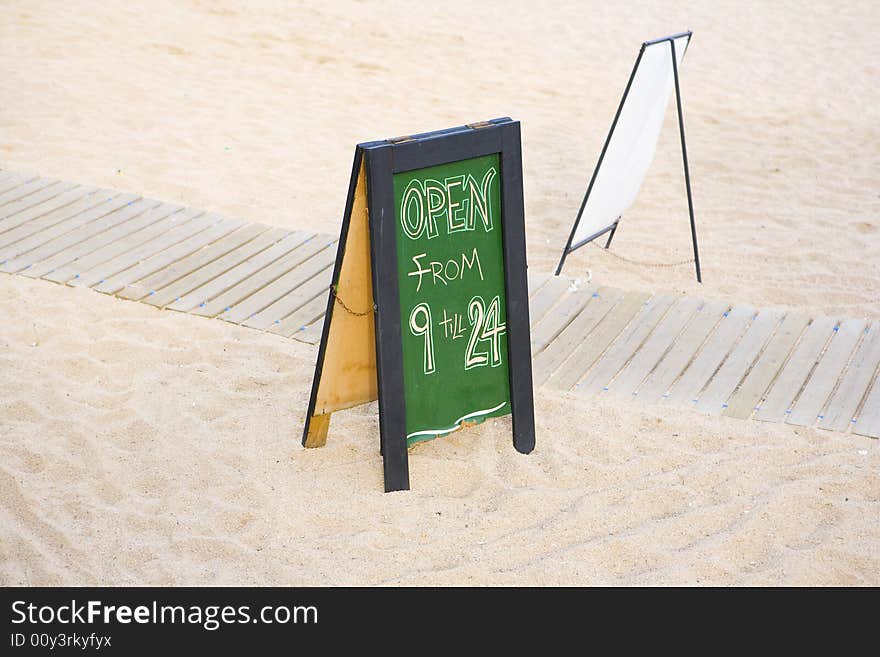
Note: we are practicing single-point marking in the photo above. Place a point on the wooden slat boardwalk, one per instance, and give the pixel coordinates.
(767, 364)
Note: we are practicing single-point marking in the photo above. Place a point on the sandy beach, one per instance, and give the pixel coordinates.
(146, 447)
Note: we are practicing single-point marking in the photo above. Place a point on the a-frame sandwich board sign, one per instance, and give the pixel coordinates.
(630, 145)
(428, 304)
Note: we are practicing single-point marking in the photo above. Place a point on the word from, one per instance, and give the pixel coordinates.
(451, 270)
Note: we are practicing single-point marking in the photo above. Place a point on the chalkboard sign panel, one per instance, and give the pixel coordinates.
(440, 331)
(452, 299)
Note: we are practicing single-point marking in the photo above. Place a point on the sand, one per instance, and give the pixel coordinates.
(147, 447)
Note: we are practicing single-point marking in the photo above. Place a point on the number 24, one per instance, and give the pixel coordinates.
(486, 327)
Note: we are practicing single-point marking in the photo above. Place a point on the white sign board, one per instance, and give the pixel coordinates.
(633, 139)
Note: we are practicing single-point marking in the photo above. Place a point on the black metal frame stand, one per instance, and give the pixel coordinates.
(612, 229)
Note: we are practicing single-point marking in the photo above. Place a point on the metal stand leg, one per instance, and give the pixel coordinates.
(561, 262)
(611, 234)
(684, 157)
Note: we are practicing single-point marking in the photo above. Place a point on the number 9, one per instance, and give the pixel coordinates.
(423, 312)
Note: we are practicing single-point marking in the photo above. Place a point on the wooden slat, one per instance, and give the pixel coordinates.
(627, 382)
(124, 284)
(713, 400)
(63, 199)
(557, 351)
(794, 374)
(311, 334)
(556, 320)
(112, 275)
(303, 317)
(812, 400)
(29, 200)
(293, 302)
(536, 281)
(16, 197)
(200, 297)
(69, 239)
(12, 181)
(247, 309)
(51, 224)
(711, 355)
(156, 221)
(308, 312)
(195, 279)
(683, 350)
(545, 298)
(868, 423)
(154, 283)
(241, 291)
(93, 247)
(114, 260)
(627, 344)
(588, 352)
(749, 394)
(73, 223)
(853, 386)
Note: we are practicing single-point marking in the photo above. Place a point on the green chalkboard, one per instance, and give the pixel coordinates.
(453, 310)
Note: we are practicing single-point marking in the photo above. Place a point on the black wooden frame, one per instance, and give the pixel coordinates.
(612, 228)
(383, 159)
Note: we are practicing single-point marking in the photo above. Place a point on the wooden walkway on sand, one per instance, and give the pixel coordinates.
(762, 363)
(165, 255)
(719, 359)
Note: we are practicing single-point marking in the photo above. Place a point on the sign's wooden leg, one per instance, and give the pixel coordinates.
(318, 426)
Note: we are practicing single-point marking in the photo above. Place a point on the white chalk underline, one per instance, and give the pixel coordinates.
(456, 424)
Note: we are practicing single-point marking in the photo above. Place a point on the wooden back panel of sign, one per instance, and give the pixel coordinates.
(349, 357)
(346, 370)
(431, 270)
